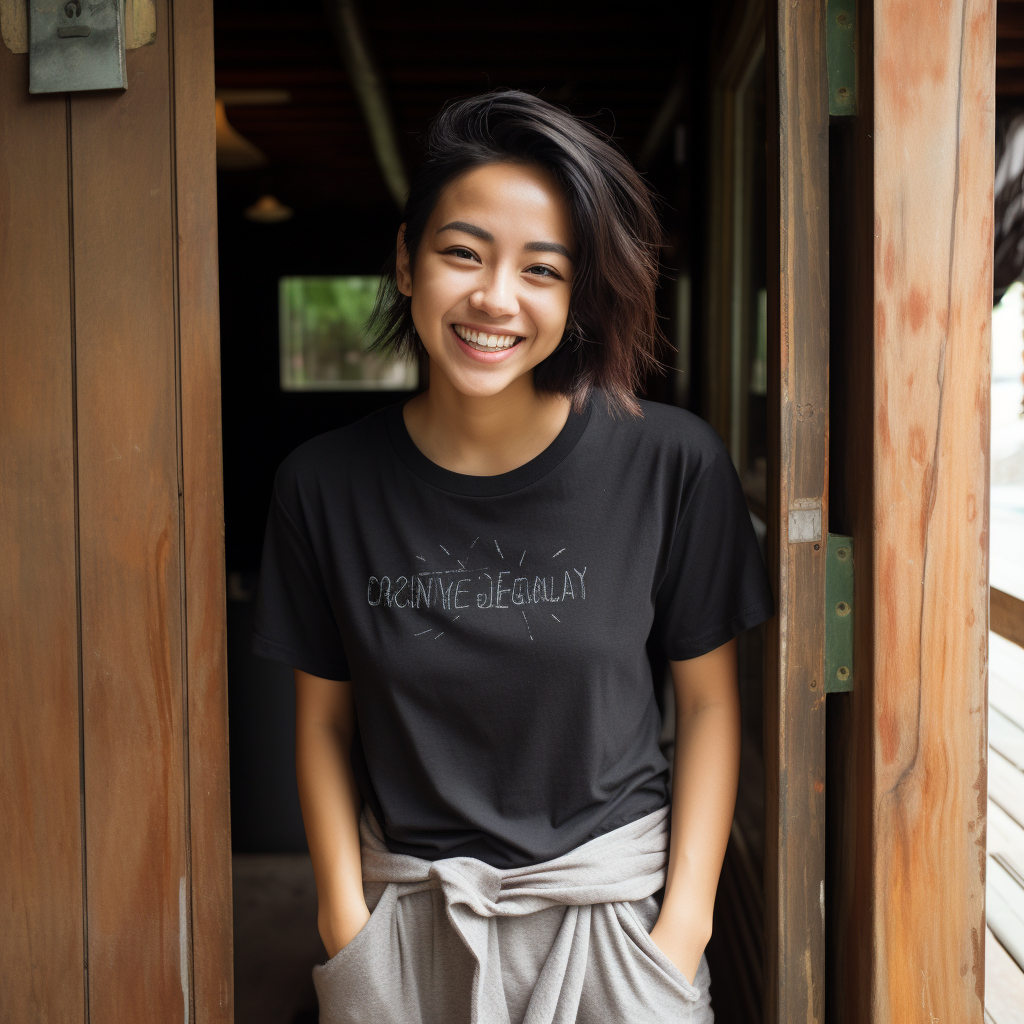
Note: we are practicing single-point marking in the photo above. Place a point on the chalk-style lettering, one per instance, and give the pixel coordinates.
(502, 590)
(456, 592)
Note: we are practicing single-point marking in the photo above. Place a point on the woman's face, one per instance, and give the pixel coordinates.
(490, 285)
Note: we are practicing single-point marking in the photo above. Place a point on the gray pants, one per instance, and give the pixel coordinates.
(456, 941)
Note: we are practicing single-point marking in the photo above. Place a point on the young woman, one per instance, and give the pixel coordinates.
(465, 585)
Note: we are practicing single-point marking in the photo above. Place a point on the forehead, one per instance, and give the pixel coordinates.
(507, 199)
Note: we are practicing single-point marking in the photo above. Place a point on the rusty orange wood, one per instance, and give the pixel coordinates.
(933, 157)
(912, 887)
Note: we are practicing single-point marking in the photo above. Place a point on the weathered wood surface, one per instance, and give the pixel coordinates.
(933, 167)
(798, 320)
(112, 547)
(203, 502)
(41, 963)
(912, 892)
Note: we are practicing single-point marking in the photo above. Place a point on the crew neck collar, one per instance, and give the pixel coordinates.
(484, 486)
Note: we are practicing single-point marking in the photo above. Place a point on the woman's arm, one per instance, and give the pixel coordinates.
(324, 725)
(705, 776)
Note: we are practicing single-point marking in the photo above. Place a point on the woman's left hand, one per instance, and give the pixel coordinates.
(682, 946)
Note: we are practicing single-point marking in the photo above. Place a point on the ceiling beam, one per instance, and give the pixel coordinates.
(370, 91)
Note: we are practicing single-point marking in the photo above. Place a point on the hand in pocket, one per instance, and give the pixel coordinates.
(339, 926)
(682, 947)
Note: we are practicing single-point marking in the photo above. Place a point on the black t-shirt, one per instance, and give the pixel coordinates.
(494, 628)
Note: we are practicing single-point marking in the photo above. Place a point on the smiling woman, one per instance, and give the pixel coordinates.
(593, 226)
(466, 584)
(487, 295)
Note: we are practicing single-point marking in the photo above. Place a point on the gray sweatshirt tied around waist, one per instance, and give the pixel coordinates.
(456, 941)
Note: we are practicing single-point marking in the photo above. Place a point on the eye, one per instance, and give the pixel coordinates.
(460, 252)
(540, 270)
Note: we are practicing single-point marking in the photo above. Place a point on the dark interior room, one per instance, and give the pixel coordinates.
(321, 115)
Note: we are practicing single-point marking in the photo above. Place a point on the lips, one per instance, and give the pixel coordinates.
(484, 342)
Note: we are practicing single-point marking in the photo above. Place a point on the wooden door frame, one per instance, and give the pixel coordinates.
(912, 244)
(798, 408)
(728, 284)
(113, 747)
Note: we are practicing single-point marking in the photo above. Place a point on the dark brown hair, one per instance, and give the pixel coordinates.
(612, 330)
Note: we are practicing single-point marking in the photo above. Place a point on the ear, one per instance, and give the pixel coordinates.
(403, 270)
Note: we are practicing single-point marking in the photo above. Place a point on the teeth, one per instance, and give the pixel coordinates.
(481, 340)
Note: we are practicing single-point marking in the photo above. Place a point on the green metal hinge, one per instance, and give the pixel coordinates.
(841, 57)
(838, 614)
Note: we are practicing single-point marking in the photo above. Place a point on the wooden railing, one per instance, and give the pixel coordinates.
(1006, 616)
(1004, 901)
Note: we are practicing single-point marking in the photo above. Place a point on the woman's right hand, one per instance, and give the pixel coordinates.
(340, 926)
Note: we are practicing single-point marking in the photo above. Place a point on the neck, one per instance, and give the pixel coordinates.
(484, 436)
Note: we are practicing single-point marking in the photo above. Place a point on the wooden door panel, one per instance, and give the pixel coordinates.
(115, 818)
(131, 546)
(41, 941)
(203, 506)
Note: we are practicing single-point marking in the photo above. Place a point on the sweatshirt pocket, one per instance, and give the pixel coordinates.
(642, 938)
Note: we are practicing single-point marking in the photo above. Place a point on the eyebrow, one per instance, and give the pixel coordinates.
(548, 247)
(486, 236)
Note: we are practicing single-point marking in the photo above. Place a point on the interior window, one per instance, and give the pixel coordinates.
(325, 345)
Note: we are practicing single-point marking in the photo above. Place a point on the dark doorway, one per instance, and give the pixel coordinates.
(644, 73)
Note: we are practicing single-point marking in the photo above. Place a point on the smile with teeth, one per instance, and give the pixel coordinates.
(485, 342)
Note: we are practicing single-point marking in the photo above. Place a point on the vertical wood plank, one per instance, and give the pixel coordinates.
(42, 975)
(131, 586)
(203, 502)
(798, 322)
(933, 155)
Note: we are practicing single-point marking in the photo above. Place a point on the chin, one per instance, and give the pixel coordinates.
(483, 385)
(482, 380)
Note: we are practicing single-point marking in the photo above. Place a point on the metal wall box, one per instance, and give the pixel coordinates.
(839, 614)
(76, 45)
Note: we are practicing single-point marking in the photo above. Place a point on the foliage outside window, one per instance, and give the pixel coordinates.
(324, 341)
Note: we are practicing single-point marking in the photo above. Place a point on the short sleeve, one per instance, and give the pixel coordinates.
(295, 623)
(715, 584)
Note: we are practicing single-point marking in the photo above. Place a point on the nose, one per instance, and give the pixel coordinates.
(497, 296)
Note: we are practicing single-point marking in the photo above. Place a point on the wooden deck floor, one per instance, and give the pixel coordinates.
(1004, 947)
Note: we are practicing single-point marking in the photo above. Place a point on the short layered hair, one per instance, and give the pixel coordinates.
(612, 330)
